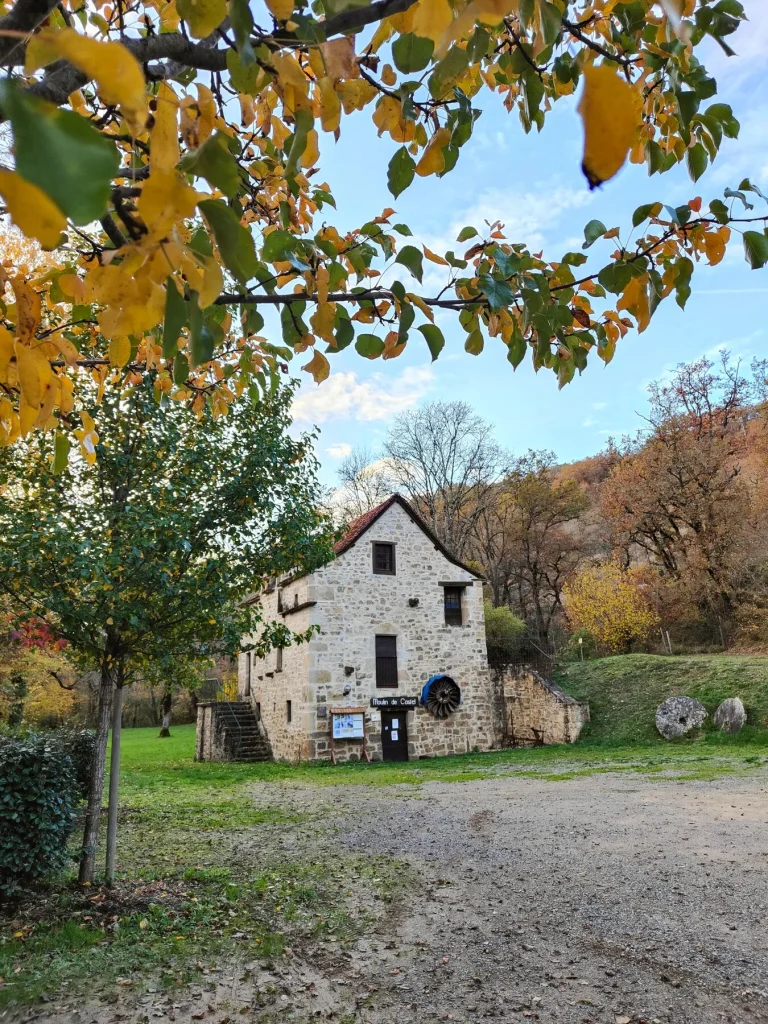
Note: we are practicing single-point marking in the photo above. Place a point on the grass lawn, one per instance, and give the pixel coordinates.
(624, 692)
(204, 878)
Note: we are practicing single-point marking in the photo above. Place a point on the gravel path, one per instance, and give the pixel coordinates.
(601, 899)
(604, 899)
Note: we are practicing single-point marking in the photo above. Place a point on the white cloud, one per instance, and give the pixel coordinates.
(531, 217)
(379, 397)
(339, 451)
(599, 406)
(590, 421)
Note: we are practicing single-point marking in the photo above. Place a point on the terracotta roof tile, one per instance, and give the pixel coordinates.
(361, 524)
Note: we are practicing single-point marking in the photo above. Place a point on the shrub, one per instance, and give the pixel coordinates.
(612, 605)
(503, 635)
(80, 744)
(38, 792)
(575, 651)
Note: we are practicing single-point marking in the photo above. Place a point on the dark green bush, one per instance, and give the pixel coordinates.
(80, 744)
(38, 793)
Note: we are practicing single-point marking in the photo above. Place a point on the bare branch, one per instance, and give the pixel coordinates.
(25, 16)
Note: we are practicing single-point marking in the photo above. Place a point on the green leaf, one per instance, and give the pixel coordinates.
(466, 233)
(756, 249)
(516, 348)
(175, 319)
(402, 229)
(719, 210)
(345, 332)
(475, 343)
(407, 316)
(180, 369)
(304, 121)
(253, 321)
(551, 21)
(412, 53)
(696, 160)
(594, 230)
(615, 277)
(234, 241)
(201, 337)
(434, 339)
(498, 293)
(278, 245)
(410, 257)
(400, 172)
(242, 26)
(642, 213)
(369, 345)
(61, 153)
(450, 68)
(248, 78)
(61, 447)
(214, 162)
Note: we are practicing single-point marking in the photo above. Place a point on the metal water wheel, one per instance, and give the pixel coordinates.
(443, 697)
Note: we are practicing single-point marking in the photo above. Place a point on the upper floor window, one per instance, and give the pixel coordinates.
(248, 664)
(279, 659)
(384, 559)
(386, 661)
(452, 601)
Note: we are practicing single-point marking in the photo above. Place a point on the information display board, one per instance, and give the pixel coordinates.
(348, 726)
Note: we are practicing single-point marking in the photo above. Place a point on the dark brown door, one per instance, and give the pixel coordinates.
(394, 736)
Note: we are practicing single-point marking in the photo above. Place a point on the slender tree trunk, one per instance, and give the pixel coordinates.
(93, 809)
(165, 730)
(114, 783)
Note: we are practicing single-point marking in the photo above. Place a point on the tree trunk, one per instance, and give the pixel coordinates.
(165, 730)
(93, 809)
(114, 784)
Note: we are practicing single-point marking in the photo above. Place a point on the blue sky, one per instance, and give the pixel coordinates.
(534, 185)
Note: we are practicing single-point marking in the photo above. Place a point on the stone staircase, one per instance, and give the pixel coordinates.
(239, 733)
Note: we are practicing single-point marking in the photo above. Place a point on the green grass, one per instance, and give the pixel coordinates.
(624, 692)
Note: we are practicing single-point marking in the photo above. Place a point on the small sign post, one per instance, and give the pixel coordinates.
(348, 724)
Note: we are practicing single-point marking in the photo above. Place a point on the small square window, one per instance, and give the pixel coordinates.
(384, 559)
(288, 712)
(452, 601)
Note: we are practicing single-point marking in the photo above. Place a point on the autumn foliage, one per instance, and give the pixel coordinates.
(610, 604)
(169, 158)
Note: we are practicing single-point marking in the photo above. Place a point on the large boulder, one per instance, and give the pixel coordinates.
(731, 715)
(678, 716)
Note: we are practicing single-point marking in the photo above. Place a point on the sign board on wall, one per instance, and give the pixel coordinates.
(394, 702)
(348, 726)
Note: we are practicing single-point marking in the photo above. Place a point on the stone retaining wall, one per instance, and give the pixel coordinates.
(531, 703)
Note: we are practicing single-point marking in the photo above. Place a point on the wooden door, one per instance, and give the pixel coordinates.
(394, 735)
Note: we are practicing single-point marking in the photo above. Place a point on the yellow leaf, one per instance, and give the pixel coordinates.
(88, 438)
(433, 158)
(165, 199)
(322, 321)
(388, 75)
(311, 153)
(164, 136)
(39, 52)
(322, 278)
(118, 75)
(31, 210)
(202, 16)
(489, 12)
(281, 10)
(66, 349)
(610, 111)
(330, 106)
(431, 19)
(27, 310)
(6, 352)
(318, 366)
(434, 258)
(635, 301)
(34, 374)
(119, 351)
(213, 283)
(421, 304)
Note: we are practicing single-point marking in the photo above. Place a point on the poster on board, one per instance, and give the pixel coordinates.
(348, 727)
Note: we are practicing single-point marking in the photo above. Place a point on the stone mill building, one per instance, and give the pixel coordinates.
(398, 669)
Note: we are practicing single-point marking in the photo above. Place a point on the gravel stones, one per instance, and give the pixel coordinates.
(731, 715)
(678, 716)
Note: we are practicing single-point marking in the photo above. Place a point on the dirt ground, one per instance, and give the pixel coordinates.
(605, 899)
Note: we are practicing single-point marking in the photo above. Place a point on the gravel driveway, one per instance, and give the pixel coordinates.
(607, 898)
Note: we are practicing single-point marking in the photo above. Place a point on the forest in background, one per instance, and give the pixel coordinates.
(657, 543)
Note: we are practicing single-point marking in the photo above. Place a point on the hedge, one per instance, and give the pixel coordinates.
(38, 794)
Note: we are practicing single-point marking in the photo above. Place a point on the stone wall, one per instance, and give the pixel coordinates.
(351, 604)
(531, 702)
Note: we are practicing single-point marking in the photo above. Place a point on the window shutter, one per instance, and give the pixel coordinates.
(386, 662)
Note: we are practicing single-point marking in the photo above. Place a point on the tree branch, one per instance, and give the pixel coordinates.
(25, 16)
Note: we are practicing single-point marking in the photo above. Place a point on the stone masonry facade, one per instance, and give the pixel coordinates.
(293, 690)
